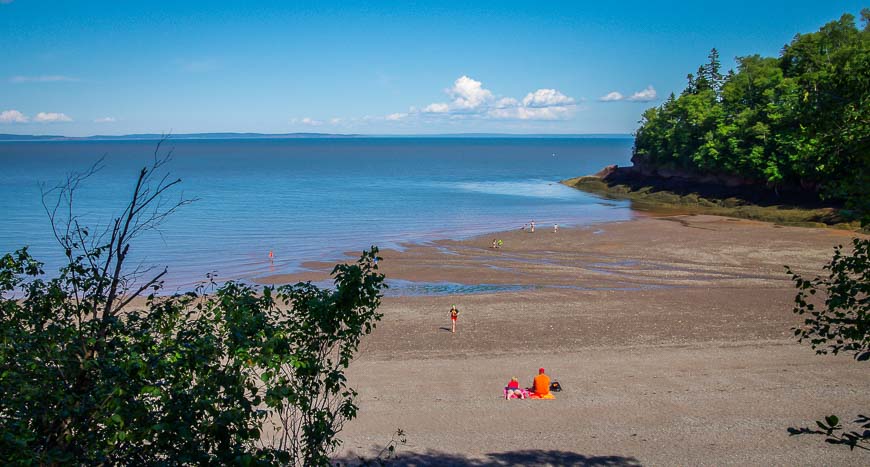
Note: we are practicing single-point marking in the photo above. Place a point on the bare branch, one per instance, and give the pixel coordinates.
(141, 289)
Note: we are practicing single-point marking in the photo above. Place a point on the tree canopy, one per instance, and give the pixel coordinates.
(89, 375)
(800, 120)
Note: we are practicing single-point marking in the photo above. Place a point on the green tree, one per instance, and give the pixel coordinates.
(90, 375)
(831, 68)
(712, 71)
(842, 325)
(801, 120)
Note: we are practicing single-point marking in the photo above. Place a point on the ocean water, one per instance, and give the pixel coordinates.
(307, 199)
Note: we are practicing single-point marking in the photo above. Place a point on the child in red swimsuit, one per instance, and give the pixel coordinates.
(513, 389)
(454, 313)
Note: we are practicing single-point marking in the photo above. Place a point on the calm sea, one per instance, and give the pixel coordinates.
(307, 199)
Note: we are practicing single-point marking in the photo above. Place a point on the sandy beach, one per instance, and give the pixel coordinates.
(671, 337)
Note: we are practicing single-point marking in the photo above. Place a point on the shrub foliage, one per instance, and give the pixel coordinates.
(91, 374)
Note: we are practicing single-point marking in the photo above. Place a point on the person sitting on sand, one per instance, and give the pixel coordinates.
(541, 384)
(513, 389)
(499, 244)
(494, 243)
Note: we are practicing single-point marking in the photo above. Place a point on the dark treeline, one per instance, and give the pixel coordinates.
(797, 121)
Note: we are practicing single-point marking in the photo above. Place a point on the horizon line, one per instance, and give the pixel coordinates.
(255, 135)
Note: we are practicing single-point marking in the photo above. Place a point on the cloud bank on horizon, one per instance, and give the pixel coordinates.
(469, 99)
(646, 95)
(14, 116)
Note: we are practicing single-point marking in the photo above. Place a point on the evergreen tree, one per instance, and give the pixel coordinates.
(712, 71)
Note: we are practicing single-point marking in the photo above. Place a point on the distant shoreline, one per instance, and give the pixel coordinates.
(6, 138)
(687, 195)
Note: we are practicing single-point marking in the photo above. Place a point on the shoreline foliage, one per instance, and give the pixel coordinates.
(89, 375)
(797, 121)
(836, 312)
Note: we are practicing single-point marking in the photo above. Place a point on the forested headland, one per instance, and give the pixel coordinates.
(788, 129)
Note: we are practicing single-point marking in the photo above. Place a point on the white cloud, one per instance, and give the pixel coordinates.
(12, 116)
(532, 113)
(437, 108)
(396, 116)
(506, 102)
(546, 98)
(105, 120)
(41, 79)
(471, 100)
(557, 112)
(646, 95)
(335, 121)
(306, 121)
(51, 117)
(468, 93)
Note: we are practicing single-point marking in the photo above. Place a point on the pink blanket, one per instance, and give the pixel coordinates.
(525, 394)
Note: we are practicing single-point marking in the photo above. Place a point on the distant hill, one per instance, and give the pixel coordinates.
(152, 136)
(4, 137)
(214, 136)
(517, 135)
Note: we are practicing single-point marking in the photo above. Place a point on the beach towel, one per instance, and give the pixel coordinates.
(545, 396)
(514, 396)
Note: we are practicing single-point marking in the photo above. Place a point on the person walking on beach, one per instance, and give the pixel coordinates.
(454, 313)
(532, 227)
(555, 228)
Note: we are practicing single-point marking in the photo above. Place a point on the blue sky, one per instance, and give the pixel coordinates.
(115, 67)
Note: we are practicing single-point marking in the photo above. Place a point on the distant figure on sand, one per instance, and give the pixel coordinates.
(454, 313)
(499, 244)
(532, 227)
(555, 228)
(541, 384)
(494, 243)
(513, 389)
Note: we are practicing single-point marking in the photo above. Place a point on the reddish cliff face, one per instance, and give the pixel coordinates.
(718, 186)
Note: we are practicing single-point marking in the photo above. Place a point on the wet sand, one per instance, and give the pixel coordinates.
(671, 337)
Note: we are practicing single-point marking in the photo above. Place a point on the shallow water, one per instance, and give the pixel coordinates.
(309, 199)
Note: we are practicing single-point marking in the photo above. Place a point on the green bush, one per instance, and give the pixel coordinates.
(88, 375)
(842, 325)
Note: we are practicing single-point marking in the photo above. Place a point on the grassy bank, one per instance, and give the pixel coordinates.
(648, 195)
